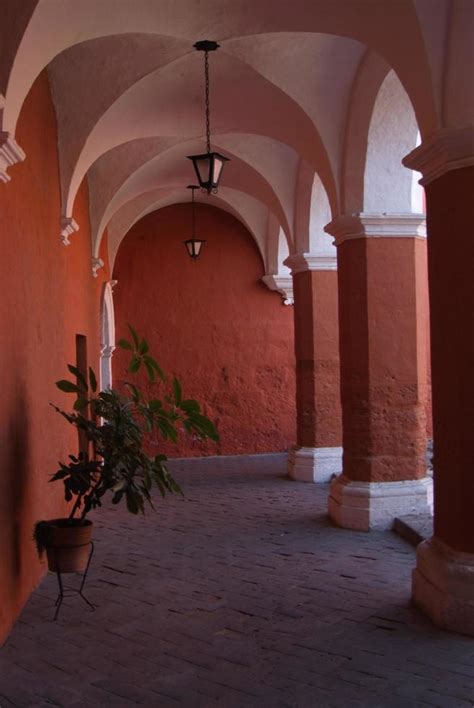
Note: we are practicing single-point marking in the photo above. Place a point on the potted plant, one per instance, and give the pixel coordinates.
(113, 426)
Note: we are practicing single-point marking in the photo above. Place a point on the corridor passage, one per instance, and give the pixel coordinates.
(240, 594)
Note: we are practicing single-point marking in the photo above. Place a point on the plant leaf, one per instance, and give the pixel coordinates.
(78, 374)
(150, 370)
(68, 386)
(124, 344)
(80, 403)
(134, 365)
(177, 391)
(136, 339)
(143, 347)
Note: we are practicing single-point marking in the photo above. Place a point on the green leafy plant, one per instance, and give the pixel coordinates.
(114, 426)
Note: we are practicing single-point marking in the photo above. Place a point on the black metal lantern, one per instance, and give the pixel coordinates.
(193, 244)
(209, 165)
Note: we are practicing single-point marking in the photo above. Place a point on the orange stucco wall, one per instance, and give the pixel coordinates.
(317, 359)
(383, 345)
(213, 323)
(48, 295)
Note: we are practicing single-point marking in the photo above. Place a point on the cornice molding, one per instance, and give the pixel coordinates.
(349, 227)
(301, 262)
(68, 227)
(445, 150)
(97, 264)
(10, 154)
(282, 284)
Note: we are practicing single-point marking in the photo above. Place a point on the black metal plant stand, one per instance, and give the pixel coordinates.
(68, 592)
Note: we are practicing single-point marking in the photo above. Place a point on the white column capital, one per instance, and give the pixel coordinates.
(282, 284)
(301, 262)
(445, 150)
(68, 227)
(10, 154)
(349, 227)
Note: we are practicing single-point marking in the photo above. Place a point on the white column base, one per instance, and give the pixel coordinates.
(366, 505)
(443, 586)
(314, 464)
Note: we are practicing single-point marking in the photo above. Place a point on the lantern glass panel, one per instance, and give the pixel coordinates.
(202, 164)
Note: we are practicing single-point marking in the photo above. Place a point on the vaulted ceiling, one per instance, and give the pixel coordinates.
(295, 88)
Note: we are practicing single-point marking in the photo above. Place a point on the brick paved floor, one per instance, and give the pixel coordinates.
(242, 594)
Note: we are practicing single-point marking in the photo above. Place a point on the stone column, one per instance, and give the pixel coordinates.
(318, 453)
(443, 581)
(382, 321)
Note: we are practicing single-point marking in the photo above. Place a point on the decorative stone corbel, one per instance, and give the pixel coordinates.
(97, 264)
(10, 154)
(282, 284)
(112, 284)
(68, 227)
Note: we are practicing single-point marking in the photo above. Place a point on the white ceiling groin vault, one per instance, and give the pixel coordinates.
(315, 102)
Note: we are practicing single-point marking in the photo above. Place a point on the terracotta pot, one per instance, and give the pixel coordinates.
(68, 545)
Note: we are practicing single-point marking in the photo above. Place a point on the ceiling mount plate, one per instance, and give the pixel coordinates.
(206, 45)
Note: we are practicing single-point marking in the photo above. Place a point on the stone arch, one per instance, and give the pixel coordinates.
(393, 133)
(320, 243)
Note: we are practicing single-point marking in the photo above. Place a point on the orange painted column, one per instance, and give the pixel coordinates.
(443, 580)
(383, 350)
(318, 452)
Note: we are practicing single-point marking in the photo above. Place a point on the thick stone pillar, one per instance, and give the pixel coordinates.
(318, 452)
(443, 581)
(382, 322)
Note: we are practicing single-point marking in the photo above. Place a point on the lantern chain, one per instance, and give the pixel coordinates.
(193, 215)
(208, 121)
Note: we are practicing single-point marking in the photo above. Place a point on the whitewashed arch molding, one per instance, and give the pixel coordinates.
(393, 133)
(172, 169)
(107, 335)
(250, 212)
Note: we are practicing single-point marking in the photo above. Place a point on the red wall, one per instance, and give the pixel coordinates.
(48, 295)
(213, 323)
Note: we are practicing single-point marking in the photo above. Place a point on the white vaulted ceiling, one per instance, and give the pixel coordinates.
(293, 88)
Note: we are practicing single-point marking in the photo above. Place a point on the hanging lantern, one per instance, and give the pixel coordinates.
(209, 165)
(193, 244)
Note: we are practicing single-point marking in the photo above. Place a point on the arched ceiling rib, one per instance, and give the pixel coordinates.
(55, 26)
(287, 87)
(168, 102)
(129, 169)
(170, 170)
(250, 212)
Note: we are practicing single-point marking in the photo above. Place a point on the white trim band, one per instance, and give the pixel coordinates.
(314, 464)
(10, 154)
(366, 505)
(445, 150)
(302, 262)
(349, 227)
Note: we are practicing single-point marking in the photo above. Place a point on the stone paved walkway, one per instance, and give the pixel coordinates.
(242, 594)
